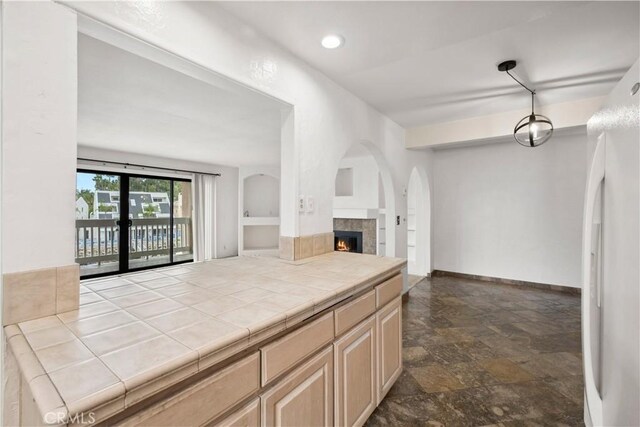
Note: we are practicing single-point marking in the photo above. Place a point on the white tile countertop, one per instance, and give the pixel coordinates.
(139, 333)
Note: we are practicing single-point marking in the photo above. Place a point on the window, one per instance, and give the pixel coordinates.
(157, 231)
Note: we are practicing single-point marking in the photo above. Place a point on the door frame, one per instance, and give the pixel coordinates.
(421, 196)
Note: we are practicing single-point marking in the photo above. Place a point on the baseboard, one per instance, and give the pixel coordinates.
(512, 282)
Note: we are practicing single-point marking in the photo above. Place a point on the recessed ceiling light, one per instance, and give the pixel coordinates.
(332, 41)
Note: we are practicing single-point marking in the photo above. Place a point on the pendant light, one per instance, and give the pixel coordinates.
(535, 129)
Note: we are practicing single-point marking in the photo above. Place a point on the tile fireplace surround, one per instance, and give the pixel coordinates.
(366, 226)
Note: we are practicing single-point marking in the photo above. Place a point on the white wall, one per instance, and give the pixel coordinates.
(495, 126)
(226, 190)
(39, 96)
(327, 118)
(503, 210)
(365, 184)
(344, 182)
(39, 135)
(261, 237)
(261, 195)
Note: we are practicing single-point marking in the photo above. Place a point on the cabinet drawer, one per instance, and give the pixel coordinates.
(354, 312)
(247, 416)
(304, 397)
(206, 399)
(287, 351)
(388, 290)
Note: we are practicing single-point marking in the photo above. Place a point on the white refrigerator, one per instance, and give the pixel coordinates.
(610, 260)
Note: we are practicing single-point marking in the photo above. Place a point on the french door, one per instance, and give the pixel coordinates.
(127, 222)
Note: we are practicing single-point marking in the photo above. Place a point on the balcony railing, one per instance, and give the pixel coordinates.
(97, 240)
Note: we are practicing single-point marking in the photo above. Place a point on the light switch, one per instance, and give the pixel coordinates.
(310, 204)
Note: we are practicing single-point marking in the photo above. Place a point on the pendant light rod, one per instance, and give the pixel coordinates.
(533, 92)
(507, 66)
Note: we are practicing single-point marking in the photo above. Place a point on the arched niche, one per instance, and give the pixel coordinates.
(379, 205)
(259, 210)
(261, 196)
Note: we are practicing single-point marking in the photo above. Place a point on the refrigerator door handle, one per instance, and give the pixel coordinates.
(598, 261)
(596, 258)
(595, 181)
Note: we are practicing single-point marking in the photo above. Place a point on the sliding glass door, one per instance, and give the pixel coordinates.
(182, 221)
(97, 223)
(157, 230)
(150, 229)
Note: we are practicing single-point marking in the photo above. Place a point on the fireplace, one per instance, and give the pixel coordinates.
(348, 241)
(362, 229)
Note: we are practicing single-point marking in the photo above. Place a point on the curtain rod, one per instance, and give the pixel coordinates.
(105, 162)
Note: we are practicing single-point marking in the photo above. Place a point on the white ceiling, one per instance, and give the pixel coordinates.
(128, 103)
(428, 62)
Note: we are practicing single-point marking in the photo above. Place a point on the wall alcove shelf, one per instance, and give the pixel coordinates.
(411, 235)
(259, 211)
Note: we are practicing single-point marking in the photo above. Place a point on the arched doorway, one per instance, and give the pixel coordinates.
(418, 224)
(379, 201)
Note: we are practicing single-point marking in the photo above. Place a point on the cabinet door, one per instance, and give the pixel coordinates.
(389, 329)
(355, 364)
(304, 397)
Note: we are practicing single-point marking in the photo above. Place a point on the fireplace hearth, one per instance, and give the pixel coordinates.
(348, 241)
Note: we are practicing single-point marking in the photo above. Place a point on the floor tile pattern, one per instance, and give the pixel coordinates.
(480, 354)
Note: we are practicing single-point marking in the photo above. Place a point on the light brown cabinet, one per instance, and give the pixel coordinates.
(387, 291)
(389, 331)
(352, 313)
(286, 352)
(304, 397)
(247, 416)
(206, 399)
(334, 369)
(355, 357)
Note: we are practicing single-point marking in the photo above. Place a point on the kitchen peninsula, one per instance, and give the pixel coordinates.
(236, 341)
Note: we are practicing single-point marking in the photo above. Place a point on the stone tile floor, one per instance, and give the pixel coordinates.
(478, 353)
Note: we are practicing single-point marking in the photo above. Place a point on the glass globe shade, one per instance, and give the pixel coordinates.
(533, 130)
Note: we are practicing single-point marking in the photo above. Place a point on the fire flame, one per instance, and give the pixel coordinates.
(342, 246)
